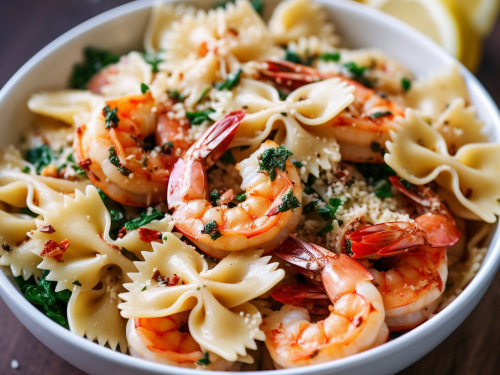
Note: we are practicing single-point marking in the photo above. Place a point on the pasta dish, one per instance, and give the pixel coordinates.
(246, 194)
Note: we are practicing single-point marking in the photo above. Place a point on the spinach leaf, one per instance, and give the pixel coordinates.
(94, 60)
(144, 219)
(40, 157)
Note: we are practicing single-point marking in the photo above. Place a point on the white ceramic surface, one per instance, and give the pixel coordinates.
(121, 30)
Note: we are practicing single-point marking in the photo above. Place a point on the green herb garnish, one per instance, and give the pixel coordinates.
(358, 73)
(231, 82)
(326, 229)
(227, 158)
(43, 295)
(144, 88)
(405, 183)
(289, 202)
(274, 158)
(375, 172)
(241, 198)
(310, 207)
(113, 158)
(204, 361)
(144, 219)
(197, 118)
(116, 212)
(76, 282)
(124, 171)
(174, 94)
(111, 117)
(333, 56)
(27, 211)
(328, 212)
(203, 93)
(297, 164)
(130, 255)
(384, 190)
(282, 95)
(258, 5)
(143, 289)
(153, 60)
(210, 228)
(406, 84)
(95, 60)
(26, 169)
(214, 196)
(348, 246)
(380, 114)
(293, 57)
(40, 157)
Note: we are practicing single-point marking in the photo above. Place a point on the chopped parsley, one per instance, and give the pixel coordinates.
(328, 212)
(113, 158)
(241, 198)
(197, 118)
(384, 190)
(214, 196)
(144, 88)
(311, 206)
(203, 93)
(116, 212)
(111, 117)
(130, 255)
(204, 361)
(26, 169)
(44, 297)
(405, 183)
(167, 147)
(357, 73)
(143, 289)
(377, 115)
(297, 164)
(231, 82)
(40, 157)
(282, 95)
(27, 211)
(326, 229)
(144, 219)
(405, 84)
(174, 94)
(293, 57)
(375, 172)
(76, 282)
(165, 238)
(227, 158)
(95, 60)
(289, 202)
(258, 5)
(152, 59)
(348, 245)
(273, 158)
(124, 171)
(210, 228)
(283, 114)
(332, 56)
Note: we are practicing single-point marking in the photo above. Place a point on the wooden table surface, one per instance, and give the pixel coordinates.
(28, 25)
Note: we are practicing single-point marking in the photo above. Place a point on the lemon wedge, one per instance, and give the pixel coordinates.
(444, 21)
(482, 13)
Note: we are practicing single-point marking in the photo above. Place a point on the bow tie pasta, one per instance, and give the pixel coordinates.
(419, 154)
(221, 319)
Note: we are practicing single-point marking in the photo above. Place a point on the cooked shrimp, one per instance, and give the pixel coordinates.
(118, 152)
(368, 119)
(163, 340)
(411, 285)
(434, 228)
(264, 215)
(356, 315)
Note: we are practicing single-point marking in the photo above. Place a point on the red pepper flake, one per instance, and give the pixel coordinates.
(54, 249)
(47, 229)
(122, 232)
(148, 235)
(164, 280)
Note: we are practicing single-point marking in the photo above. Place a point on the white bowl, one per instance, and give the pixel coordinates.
(121, 30)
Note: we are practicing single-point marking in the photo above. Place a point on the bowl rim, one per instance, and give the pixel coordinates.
(488, 268)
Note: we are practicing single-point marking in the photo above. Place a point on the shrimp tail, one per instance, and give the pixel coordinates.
(188, 179)
(389, 239)
(340, 274)
(311, 297)
(290, 74)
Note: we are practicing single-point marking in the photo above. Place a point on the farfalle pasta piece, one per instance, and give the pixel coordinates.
(162, 16)
(81, 222)
(221, 319)
(293, 19)
(64, 105)
(432, 95)
(94, 314)
(297, 119)
(419, 154)
(459, 126)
